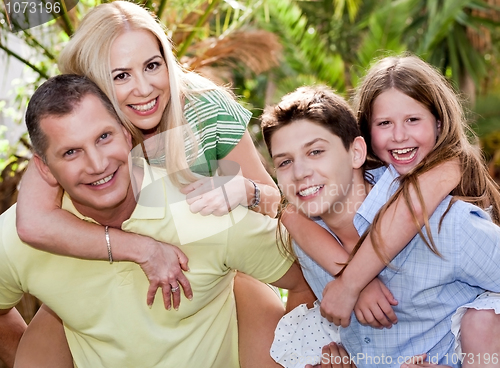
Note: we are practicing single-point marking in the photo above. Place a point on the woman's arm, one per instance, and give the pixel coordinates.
(44, 225)
(397, 228)
(238, 189)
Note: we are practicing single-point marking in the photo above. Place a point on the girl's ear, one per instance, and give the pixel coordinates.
(44, 171)
(358, 150)
(438, 122)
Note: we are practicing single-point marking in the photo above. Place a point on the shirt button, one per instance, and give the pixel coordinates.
(367, 340)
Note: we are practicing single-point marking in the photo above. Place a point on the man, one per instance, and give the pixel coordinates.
(80, 145)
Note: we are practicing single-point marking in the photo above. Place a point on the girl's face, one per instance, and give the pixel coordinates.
(312, 167)
(403, 131)
(140, 77)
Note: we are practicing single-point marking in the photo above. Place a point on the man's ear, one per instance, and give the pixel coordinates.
(44, 171)
(358, 151)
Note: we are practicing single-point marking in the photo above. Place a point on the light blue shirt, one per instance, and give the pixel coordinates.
(428, 288)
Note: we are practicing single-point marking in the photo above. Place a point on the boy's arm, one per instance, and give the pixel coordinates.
(397, 228)
(12, 327)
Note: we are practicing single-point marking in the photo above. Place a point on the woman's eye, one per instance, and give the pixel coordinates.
(153, 66)
(120, 76)
(316, 152)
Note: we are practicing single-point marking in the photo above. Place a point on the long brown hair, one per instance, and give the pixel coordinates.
(422, 82)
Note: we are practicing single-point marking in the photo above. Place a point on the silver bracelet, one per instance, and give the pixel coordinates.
(108, 243)
(256, 197)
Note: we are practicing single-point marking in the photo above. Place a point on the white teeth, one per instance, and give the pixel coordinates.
(396, 153)
(144, 107)
(310, 190)
(403, 151)
(103, 181)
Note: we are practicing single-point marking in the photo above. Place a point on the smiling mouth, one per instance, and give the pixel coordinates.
(405, 154)
(145, 107)
(103, 180)
(311, 190)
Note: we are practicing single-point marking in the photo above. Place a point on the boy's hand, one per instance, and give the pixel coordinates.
(374, 306)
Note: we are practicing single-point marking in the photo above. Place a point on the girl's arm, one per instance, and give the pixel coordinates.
(377, 301)
(397, 227)
(237, 188)
(44, 225)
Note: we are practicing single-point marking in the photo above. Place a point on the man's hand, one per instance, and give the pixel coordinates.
(216, 195)
(163, 265)
(333, 356)
(374, 306)
(338, 302)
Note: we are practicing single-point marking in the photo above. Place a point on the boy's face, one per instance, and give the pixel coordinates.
(314, 170)
(87, 155)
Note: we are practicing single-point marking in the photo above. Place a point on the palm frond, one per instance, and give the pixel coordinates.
(257, 49)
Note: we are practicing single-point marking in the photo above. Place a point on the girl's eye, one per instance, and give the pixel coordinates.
(412, 120)
(104, 136)
(382, 123)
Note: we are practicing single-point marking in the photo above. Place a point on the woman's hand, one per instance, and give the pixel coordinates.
(374, 306)
(216, 195)
(163, 265)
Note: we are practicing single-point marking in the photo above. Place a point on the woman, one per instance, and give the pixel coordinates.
(125, 51)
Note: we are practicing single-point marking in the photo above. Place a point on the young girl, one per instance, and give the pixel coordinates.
(413, 78)
(388, 132)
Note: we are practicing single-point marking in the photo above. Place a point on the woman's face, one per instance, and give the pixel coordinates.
(140, 77)
(403, 131)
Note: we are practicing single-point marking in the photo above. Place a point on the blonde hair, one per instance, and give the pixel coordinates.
(89, 53)
(422, 82)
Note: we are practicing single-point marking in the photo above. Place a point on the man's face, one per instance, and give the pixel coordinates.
(87, 155)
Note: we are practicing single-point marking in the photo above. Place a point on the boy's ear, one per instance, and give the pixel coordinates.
(358, 151)
(44, 171)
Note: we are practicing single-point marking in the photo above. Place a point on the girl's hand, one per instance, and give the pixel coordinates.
(419, 361)
(374, 306)
(338, 302)
(334, 356)
(163, 265)
(216, 195)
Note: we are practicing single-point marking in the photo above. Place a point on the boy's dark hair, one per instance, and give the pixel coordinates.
(317, 104)
(59, 96)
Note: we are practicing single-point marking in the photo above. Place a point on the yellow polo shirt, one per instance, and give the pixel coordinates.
(103, 306)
